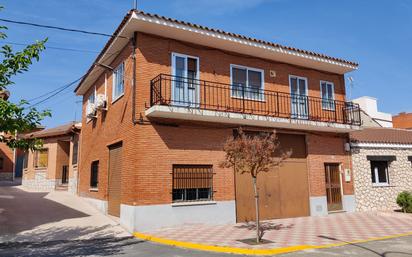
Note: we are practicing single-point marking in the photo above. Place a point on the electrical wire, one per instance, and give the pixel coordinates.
(59, 28)
(57, 92)
(54, 47)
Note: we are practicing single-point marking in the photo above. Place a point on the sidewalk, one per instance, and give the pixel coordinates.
(286, 235)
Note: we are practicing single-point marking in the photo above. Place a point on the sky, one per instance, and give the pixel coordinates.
(376, 34)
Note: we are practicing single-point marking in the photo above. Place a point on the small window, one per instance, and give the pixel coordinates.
(118, 82)
(41, 158)
(192, 183)
(379, 170)
(92, 98)
(94, 174)
(1, 163)
(25, 160)
(75, 152)
(247, 83)
(328, 95)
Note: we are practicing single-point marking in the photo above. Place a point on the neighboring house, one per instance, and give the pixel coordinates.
(6, 162)
(403, 120)
(6, 154)
(164, 95)
(54, 166)
(369, 107)
(382, 166)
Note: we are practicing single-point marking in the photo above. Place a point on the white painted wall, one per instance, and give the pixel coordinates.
(150, 217)
(370, 106)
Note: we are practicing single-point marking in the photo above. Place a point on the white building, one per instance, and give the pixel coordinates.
(370, 106)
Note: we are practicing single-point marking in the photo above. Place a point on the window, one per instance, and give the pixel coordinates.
(118, 82)
(41, 158)
(92, 97)
(328, 95)
(192, 183)
(380, 176)
(247, 82)
(75, 152)
(25, 160)
(94, 174)
(1, 163)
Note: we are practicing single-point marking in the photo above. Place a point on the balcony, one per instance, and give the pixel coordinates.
(185, 98)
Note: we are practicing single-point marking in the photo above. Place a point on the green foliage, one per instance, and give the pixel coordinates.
(404, 200)
(18, 118)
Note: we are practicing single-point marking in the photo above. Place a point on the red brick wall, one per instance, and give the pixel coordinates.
(326, 148)
(7, 154)
(150, 150)
(402, 120)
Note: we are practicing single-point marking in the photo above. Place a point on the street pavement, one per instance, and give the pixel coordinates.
(59, 224)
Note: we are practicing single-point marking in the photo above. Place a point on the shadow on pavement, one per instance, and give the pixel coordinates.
(384, 254)
(21, 211)
(97, 242)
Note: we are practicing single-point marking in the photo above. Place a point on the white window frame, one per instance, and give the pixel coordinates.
(332, 106)
(262, 86)
(376, 173)
(173, 61)
(114, 97)
(94, 94)
(299, 115)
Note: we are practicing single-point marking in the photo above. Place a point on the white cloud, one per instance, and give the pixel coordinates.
(217, 7)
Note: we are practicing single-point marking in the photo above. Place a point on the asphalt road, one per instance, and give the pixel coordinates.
(37, 224)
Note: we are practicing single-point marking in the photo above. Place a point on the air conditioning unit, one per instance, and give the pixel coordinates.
(101, 102)
(91, 111)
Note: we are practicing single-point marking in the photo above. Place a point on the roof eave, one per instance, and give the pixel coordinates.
(179, 30)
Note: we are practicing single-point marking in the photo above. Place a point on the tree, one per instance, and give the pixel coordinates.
(254, 154)
(18, 117)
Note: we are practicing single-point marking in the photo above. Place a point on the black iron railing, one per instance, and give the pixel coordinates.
(206, 95)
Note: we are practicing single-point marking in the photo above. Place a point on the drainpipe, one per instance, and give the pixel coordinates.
(134, 120)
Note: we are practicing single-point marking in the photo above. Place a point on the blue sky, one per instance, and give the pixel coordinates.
(376, 34)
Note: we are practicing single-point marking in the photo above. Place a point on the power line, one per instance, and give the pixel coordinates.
(59, 28)
(54, 47)
(57, 92)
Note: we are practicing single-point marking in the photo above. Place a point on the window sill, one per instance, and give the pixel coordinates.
(93, 189)
(382, 185)
(41, 169)
(193, 203)
(117, 98)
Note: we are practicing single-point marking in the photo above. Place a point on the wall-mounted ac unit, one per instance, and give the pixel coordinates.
(91, 111)
(101, 102)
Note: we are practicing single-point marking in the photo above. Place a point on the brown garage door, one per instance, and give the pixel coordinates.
(115, 174)
(283, 191)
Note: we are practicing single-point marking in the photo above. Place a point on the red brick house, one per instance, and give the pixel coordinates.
(164, 95)
(402, 120)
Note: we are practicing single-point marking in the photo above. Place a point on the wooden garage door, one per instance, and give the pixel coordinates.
(115, 174)
(283, 192)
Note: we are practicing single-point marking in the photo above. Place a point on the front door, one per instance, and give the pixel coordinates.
(65, 174)
(299, 98)
(333, 187)
(115, 175)
(185, 84)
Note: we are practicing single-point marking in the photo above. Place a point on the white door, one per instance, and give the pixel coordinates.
(185, 84)
(299, 99)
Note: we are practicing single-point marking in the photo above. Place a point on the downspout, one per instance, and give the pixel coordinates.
(134, 44)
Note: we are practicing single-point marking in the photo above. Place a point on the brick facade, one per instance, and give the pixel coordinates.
(7, 156)
(402, 120)
(150, 149)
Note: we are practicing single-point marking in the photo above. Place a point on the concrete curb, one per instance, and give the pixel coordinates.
(249, 251)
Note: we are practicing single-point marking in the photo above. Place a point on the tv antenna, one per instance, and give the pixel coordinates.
(135, 4)
(351, 82)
